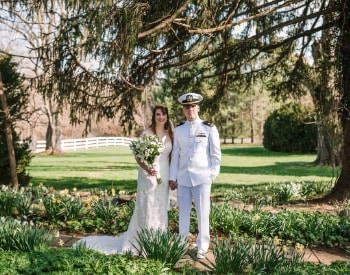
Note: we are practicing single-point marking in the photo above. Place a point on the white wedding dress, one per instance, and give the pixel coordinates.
(151, 209)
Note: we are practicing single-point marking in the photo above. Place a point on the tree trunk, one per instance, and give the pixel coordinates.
(326, 150)
(53, 133)
(48, 137)
(325, 95)
(341, 190)
(9, 139)
(251, 131)
(251, 119)
(233, 130)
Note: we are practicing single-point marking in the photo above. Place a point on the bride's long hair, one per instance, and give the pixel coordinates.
(167, 125)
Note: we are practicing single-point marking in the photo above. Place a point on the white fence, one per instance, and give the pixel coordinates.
(96, 142)
(85, 143)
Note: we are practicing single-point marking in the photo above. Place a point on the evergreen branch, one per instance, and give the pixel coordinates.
(165, 23)
(230, 25)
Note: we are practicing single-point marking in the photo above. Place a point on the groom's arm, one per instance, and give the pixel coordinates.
(215, 152)
(175, 156)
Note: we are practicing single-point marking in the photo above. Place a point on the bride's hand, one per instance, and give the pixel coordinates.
(151, 171)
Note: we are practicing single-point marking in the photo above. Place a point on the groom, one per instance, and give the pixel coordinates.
(195, 163)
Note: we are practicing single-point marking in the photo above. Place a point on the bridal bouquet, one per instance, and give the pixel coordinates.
(147, 148)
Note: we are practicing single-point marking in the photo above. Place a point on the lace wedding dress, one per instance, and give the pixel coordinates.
(151, 209)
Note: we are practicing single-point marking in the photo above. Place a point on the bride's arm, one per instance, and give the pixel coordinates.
(144, 166)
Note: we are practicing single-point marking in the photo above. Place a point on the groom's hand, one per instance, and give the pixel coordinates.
(172, 184)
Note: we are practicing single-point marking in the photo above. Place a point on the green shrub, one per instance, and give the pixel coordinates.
(7, 198)
(17, 100)
(105, 210)
(62, 207)
(266, 257)
(15, 203)
(16, 235)
(125, 212)
(38, 192)
(23, 202)
(283, 193)
(231, 256)
(227, 220)
(243, 256)
(287, 130)
(166, 247)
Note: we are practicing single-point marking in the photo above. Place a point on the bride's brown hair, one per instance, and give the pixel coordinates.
(167, 125)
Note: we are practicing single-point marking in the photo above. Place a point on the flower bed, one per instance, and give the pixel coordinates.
(30, 216)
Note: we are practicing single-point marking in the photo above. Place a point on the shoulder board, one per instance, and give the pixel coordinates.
(208, 123)
(183, 122)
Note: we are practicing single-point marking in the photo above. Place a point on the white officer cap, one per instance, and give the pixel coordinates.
(190, 98)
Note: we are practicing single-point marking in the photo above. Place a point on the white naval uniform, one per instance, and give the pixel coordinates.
(195, 163)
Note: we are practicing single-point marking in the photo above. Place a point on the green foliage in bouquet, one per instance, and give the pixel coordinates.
(146, 148)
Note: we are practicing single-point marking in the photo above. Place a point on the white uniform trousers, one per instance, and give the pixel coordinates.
(201, 196)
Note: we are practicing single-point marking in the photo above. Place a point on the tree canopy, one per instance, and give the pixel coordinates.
(107, 52)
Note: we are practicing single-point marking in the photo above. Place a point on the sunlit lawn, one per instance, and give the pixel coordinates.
(115, 166)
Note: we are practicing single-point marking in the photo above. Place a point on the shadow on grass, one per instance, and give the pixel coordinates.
(281, 169)
(230, 186)
(86, 183)
(93, 153)
(72, 167)
(220, 189)
(257, 151)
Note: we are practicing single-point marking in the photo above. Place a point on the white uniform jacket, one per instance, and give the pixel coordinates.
(196, 154)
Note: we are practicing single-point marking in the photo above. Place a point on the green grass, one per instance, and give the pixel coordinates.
(115, 166)
(95, 168)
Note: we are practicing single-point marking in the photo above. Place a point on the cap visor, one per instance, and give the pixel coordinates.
(190, 103)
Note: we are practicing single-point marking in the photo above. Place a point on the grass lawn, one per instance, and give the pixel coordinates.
(115, 166)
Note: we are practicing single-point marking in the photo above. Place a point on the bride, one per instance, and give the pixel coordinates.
(152, 201)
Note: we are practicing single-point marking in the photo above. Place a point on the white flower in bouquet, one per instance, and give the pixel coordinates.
(147, 148)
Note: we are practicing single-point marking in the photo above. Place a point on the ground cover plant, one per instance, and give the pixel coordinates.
(75, 261)
(273, 194)
(88, 200)
(22, 236)
(64, 210)
(243, 255)
(167, 247)
(313, 229)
